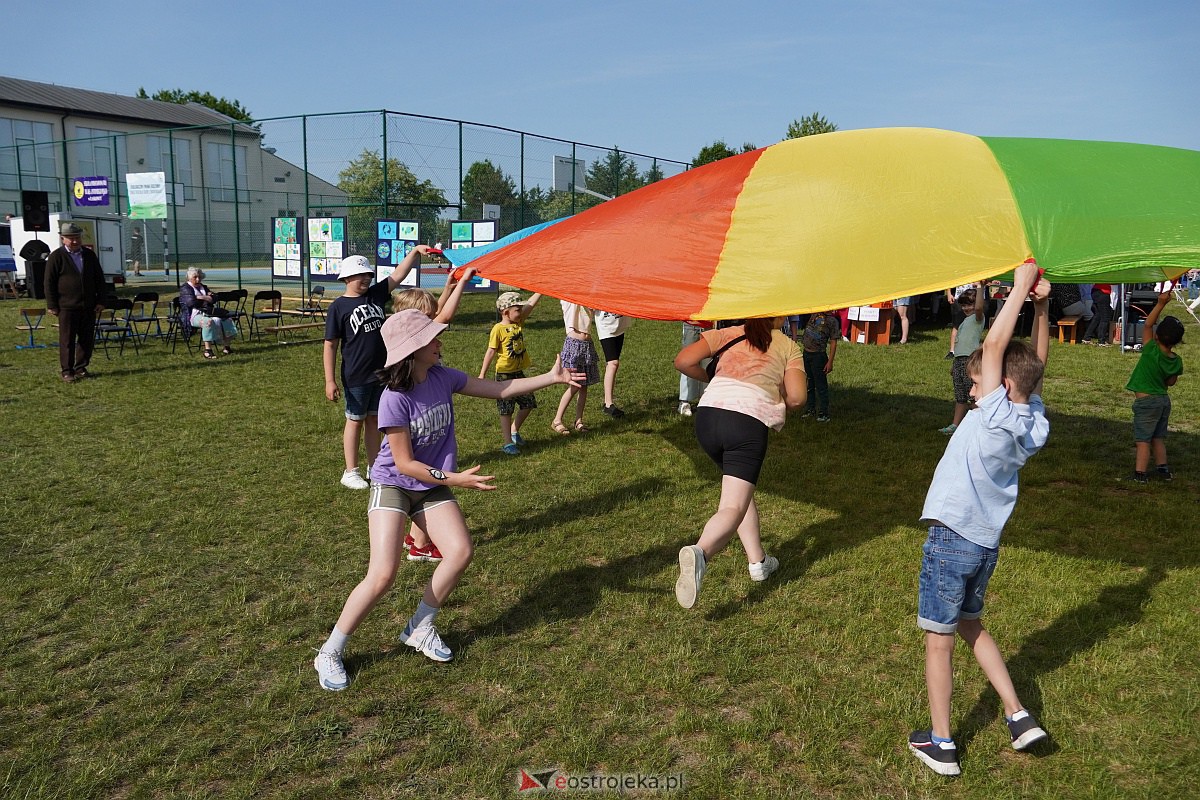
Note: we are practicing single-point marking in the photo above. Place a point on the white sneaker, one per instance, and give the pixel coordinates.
(426, 640)
(330, 671)
(763, 569)
(352, 480)
(685, 409)
(692, 568)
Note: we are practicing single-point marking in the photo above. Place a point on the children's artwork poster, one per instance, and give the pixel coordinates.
(326, 246)
(287, 257)
(394, 239)
(473, 233)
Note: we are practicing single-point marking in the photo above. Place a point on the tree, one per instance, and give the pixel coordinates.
(615, 174)
(397, 195)
(486, 183)
(716, 151)
(809, 126)
(230, 108)
(653, 175)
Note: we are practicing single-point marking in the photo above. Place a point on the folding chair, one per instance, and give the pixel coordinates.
(272, 309)
(315, 307)
(114, 325)
(33, 322)
(178, 325)
(234, 302)
(145, 312)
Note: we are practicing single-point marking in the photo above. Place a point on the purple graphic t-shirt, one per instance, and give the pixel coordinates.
(427, 410)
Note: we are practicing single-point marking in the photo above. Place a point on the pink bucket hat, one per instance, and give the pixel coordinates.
(406, 332)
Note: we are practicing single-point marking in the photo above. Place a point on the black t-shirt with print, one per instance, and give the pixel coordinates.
(356, 321)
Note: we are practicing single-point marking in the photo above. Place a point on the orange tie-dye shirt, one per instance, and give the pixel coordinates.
(749, 381)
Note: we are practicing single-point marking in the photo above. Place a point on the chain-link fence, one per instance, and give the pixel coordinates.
(226, 183)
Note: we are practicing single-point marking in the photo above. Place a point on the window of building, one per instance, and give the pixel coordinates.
(94, 154)
(225, 172)
(158, 159)
(27, 156)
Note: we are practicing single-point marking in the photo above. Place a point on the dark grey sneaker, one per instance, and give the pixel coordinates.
(941, 757)
(1163, 471)
(1025, 730)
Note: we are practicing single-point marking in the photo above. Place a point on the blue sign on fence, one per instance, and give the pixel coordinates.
(91, 191)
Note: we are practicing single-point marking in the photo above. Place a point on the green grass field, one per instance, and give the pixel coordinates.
(176, 544)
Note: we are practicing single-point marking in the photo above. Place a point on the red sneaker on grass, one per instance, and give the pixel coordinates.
(430, 553)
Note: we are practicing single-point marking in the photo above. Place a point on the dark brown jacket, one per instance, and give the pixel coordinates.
(66, 287)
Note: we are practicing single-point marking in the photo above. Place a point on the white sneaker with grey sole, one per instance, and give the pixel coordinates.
(427, 640)
(692, 568)
(330, 671)
(763, 569)
(352, 480)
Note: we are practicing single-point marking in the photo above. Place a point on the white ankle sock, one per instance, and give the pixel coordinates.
(336, 643)
(423, 616)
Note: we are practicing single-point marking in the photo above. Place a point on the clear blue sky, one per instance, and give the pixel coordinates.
(660, 78)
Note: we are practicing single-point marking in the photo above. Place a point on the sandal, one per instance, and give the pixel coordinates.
(209, 353)
(560, 429)
(226, 351)
(580, 427)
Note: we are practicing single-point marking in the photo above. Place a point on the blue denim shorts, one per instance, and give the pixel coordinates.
(1150, 416)
(362, 401)
(954, 577)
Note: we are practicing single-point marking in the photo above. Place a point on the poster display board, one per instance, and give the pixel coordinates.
(287, 242)
(147, 195)
(473, 233)
(326, 246)
(394, 239)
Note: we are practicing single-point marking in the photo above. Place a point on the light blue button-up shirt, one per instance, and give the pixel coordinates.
(974, 487)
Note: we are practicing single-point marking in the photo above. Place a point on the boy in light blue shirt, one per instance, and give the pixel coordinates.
(972, 495)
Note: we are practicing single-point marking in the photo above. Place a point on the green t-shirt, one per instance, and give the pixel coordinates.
(1153, 369)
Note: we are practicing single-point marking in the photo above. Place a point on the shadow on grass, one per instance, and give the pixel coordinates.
(1115, 608)
(596, 505)
(573, 593)
(866, 491)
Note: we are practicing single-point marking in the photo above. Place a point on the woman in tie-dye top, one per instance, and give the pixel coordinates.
(760, 375)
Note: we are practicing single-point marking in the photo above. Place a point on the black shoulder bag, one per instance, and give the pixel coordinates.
(711, 369)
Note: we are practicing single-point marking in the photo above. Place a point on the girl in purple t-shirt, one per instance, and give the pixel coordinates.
(412, 476)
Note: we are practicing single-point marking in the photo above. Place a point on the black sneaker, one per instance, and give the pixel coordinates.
(1140, 477)
(942, 758)
(949, 355)
(1165, 473)
(1025, 730)
(612, 411)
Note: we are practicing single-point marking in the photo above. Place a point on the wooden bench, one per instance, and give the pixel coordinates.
(1065, 325)
(299, 326)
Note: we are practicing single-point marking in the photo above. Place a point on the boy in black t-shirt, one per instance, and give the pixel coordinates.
(353, 321)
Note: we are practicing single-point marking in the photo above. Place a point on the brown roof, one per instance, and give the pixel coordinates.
(60, 99)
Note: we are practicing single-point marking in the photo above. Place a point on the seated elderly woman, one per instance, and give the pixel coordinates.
(199, 309)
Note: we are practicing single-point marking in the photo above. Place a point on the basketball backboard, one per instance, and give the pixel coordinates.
(566, 178)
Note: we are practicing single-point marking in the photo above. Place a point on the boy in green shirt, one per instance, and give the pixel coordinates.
(1157, 370)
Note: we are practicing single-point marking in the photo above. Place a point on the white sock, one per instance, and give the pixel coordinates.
(336, 643)
(423, 617)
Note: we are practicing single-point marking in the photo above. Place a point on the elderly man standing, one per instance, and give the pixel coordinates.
(74, 294)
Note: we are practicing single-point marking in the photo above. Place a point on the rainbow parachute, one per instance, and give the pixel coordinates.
(856, 217)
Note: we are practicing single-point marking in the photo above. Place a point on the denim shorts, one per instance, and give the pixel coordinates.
(954, 577)
(362, 401)
(1150, 415)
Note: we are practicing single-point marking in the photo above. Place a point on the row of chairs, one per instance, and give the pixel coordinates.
(133, 320)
